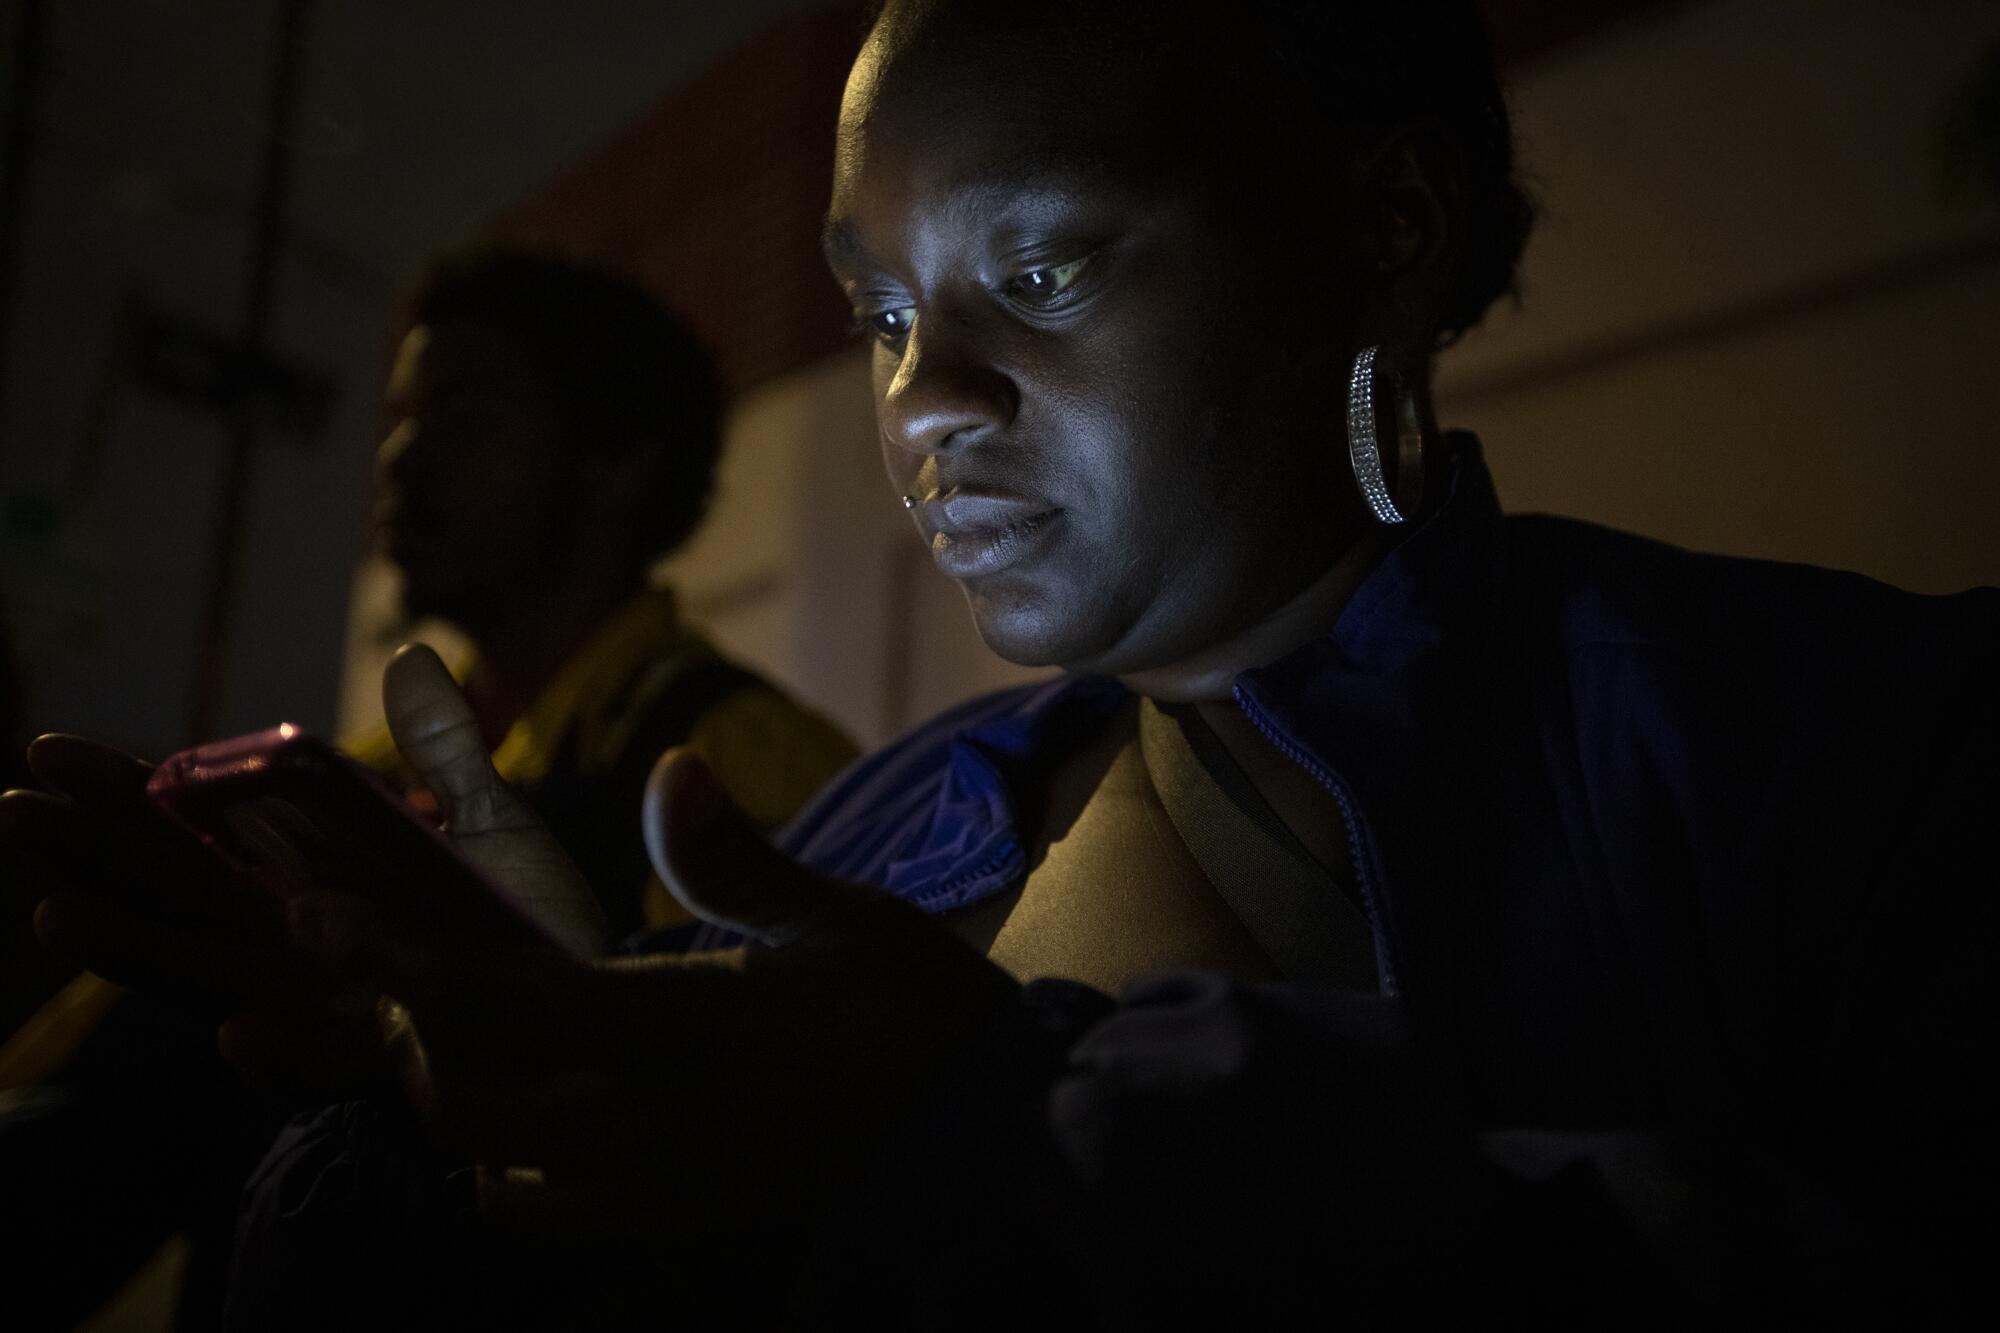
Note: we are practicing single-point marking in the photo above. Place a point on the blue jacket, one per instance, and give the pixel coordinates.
(1680, 873)
(1681, 880)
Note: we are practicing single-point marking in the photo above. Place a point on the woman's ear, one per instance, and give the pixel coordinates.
(1411, 192)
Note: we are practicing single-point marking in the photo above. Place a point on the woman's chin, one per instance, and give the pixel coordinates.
(1029, 632)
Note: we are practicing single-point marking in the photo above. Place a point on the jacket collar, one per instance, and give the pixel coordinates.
(1384, 711)
(1376, 709)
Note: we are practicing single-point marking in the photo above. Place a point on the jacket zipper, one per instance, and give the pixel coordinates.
(1364, 881)
(1000, 857)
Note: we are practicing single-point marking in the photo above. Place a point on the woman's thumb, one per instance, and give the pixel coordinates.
(718, 864)
(439, 738)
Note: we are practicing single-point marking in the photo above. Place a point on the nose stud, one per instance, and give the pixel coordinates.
(909, 502)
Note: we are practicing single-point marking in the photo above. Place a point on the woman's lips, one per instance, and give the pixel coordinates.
(982, 532)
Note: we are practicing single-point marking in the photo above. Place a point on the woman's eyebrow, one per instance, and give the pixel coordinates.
(840, 241)
(1027, 184)
(1034, 184)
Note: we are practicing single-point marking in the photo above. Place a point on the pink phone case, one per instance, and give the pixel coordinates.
(289, 813)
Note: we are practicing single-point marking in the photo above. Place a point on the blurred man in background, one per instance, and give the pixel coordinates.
(554, 433)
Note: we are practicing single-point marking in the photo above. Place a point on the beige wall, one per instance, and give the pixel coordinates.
(1751, 321)
(1751, 324)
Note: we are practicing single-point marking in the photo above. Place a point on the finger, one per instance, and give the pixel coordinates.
(104, 834)
(485, 1008)
(203, 966)
(456, 1108)
(48, 846)
(130, 855)
(39, 839)
(39, 836)
(577, 1121)
(32, 820)
(670, 1205)
(676, 1206)
(588, 1120)
(93, 775)
(409, 1059)
(288, 1059)
(35, 830)
(717, 863)
(521, 1202)
(476, 1001)
(437, 734)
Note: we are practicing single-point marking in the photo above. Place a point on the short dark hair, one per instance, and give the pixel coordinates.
(1380, 65)
(627, 373)
(1322, 70)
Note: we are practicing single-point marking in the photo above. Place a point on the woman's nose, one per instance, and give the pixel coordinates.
(945, 394)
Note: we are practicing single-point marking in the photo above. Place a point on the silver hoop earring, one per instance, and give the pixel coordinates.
(909, 502)
(1364, 451)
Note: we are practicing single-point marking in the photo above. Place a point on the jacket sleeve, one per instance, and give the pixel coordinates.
(1208, 1149)
(1211, 1149)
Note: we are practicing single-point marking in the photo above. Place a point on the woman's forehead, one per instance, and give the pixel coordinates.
(1027, 61)
(895, 189)
(1003, 120)
(1036, 186)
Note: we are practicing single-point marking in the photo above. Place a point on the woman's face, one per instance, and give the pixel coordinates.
(1112, 379)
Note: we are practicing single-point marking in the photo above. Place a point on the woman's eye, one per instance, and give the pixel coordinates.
(1042, 285)
(891, 326)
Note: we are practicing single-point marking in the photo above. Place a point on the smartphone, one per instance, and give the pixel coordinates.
(288, 813)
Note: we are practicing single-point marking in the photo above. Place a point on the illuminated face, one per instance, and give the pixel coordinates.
(1112, 385)
(474, 479)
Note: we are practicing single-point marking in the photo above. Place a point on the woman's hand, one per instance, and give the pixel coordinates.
(132, 899)
(489, 824)
(129, 897)
(675, 1096)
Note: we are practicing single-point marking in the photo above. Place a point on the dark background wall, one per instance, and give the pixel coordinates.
(417, 121)
(1753, 285)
